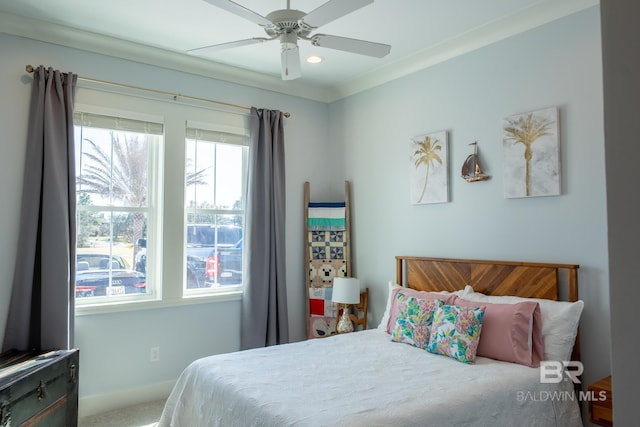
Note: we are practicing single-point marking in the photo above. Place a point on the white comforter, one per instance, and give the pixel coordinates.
(362, 379)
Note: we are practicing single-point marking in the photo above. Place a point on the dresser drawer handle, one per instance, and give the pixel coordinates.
(41, 391)
(73, 373)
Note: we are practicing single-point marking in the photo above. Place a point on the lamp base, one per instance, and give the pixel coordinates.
(344, 324)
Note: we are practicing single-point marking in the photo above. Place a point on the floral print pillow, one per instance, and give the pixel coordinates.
(413, 323)
(455, 332)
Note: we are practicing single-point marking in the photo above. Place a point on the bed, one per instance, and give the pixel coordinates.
(367, 378)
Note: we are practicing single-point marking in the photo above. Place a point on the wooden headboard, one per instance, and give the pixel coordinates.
(523, 279)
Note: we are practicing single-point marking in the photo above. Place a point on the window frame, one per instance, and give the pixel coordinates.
(153, 196)
(236, 137)
(169, 199)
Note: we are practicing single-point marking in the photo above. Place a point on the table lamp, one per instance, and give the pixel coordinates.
(346, 290)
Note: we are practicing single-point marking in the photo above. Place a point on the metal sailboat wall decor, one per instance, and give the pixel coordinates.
(471, 170)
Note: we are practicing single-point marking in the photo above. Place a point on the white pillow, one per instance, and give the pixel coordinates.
(560, 321)
(385, 315)
(392, 285)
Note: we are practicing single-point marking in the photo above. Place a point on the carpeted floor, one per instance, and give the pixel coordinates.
(144, 415)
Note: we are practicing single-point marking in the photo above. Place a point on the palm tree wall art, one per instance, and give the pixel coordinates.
(531, 154)
(429, 168)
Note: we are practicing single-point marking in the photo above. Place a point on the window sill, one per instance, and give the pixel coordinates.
(117, 307)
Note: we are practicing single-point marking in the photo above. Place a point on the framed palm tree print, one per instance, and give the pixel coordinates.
(429, 172)
(531, 154)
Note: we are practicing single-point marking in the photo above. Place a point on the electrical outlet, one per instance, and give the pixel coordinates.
(155, 354)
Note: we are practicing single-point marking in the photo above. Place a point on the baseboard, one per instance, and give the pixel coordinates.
(99, 403)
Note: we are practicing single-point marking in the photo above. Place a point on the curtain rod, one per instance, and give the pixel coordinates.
(29, 68)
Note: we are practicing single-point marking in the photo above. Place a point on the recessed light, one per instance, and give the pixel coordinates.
(315, 59)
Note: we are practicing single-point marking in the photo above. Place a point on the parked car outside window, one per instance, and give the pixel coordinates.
(102, 274)
(214, 254)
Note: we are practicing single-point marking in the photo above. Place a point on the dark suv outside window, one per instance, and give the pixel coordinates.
(214, 255)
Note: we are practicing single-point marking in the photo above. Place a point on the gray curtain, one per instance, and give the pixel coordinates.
(264, 303)
(42, 300)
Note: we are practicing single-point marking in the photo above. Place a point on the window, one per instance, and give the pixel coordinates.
(116, 194)
(215, 177)
(160, 201)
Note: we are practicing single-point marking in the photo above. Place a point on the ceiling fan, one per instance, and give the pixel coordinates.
(290, 25)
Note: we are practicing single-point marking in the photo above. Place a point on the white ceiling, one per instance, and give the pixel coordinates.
(421, 33)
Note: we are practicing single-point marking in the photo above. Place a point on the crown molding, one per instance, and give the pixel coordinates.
(500, 29)
(96, 43)
(492, 32)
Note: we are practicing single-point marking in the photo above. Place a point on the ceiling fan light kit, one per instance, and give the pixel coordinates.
(315, 59)
(290, 25)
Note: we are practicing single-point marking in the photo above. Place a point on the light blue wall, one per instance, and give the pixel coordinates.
(365, 139)
(558, 64)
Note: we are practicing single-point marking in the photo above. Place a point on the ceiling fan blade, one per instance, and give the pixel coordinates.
(290, 63)
(331, 10)
(203, 51)
(239, 10)
(361, 47)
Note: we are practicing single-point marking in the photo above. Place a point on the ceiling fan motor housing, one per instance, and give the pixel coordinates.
(286, 25)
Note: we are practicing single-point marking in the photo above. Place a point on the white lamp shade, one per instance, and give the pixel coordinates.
(346, 290)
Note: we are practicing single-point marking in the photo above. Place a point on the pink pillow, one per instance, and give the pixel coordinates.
(395, 308)
(510, 332)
